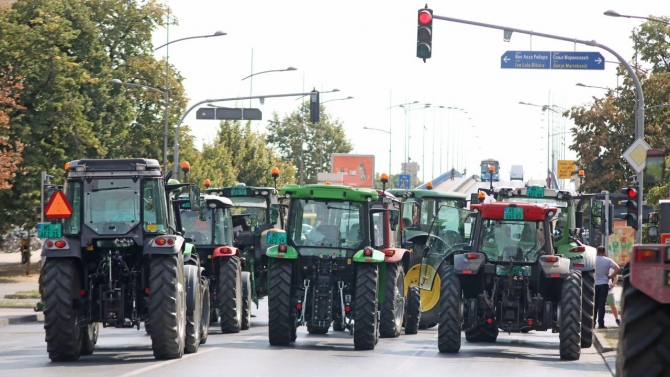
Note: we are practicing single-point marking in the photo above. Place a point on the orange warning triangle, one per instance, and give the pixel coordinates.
(58, 207)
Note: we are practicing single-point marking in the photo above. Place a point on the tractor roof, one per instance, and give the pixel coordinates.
(514, 211)
(335, 192)
(535, 192)
(241, 191)
(420, 193)
(108, 165)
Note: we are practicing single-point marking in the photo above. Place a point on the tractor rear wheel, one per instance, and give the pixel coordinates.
(588, 297)
(449, 328)
(366, 326)
(246, 301)
(229, 294)
(281, 327)
(570, 329)
(393, 307)
(167, 306)
(644, 334)
(413, 310)
(60, 287)
(338, 325)
(193, 308)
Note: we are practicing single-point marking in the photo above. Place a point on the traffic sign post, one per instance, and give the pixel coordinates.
(562, 60)
(227, 113)
(566, 168)
(636, 155)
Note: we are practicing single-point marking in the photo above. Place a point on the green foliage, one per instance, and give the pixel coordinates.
(319, 140)
(67, 52)
(606, 128)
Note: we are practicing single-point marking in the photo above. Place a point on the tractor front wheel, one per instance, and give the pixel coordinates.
(449, 328)
(281, 327)
(588, 297)
(246, 301)
(193, 308)
(366, 326)
(393, 307)
(413, 310)
(229, 294)
(167, 306)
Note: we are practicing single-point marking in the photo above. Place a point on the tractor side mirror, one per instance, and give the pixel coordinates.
(274, 213)
(393, 218)
(652, 234)
(194, 198)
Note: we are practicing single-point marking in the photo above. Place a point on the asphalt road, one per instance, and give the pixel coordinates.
(127, 352)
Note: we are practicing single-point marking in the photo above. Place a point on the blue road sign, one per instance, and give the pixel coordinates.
(568, 60)
(403, 181)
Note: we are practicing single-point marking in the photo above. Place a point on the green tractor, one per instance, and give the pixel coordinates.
(255, 211)
(116, 259)
(418, 210)
(566, 238)
(327, 267)
(211, 230)
(502, 273)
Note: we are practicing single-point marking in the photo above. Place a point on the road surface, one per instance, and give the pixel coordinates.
(126, 352)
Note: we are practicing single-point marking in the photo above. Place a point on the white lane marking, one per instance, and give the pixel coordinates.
(164, 363)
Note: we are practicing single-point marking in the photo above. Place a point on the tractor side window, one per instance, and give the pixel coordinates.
(410, 213)
(153, 209)
(222, 227)
(72, 225)
(393, 216)
(378, 229)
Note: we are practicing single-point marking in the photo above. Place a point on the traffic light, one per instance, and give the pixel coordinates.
(314, 107)
(631, 205)
(424, 38)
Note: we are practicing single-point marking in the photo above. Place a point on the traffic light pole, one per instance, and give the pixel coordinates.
(639, 119)
(606, 235)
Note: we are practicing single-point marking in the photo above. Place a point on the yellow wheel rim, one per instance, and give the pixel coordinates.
(428, 298)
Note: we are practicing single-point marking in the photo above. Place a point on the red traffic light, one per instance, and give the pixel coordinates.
(425, 17)
(632, 193)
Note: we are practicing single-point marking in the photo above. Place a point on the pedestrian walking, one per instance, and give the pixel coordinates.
(610, 297)
(604, 266)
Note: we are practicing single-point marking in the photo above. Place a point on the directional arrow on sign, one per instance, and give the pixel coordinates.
(505, 59)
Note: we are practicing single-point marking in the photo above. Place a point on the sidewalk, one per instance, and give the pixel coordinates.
(604, 348)
(18, 308)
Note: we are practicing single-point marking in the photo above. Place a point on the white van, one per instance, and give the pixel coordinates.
(517, 173)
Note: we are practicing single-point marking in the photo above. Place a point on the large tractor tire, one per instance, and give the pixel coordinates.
(588, 298)
(393, 307)
(229, 294)
(430, 308)
(570, 328)
(281, 326)
(193, 308)
(644, 334)
(449, 330)
(60, 286)
(167, 306)
(413, 310)
(89, 338)
(366, 326)
(246, 301)
(206, 311)
(338, 325)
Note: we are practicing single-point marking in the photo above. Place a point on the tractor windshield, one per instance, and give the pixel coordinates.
(511, 240)
(321, 223)
(256, 207)
(112, 206)
(215, 229)
(561, 217)
(418, 215)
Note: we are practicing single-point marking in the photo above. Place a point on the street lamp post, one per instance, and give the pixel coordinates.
(591, 86)
(401, 105)
(390, 140)
(613, 13)
(407, 109)
(544, 108)
(337, 99)
(423, 145)
(167, 82)
(258, 73)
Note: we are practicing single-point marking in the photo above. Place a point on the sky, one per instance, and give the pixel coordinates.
(367, 50)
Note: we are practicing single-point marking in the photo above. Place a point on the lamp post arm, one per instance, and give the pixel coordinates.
(258, 73)
(176, 133)
(144, 86)
(375, 129)
(183, 39)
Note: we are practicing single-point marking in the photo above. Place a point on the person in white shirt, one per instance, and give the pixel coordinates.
(603, 267)
(610, 297)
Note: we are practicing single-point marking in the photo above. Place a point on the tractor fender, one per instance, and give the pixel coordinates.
(192, 281)
(376, 257)
(417, 238)
(394, 254)
(469, 263)
(72, 248)
(246, 276)
(225, 251)
(558, 269)
(150, 246)
(651, 278)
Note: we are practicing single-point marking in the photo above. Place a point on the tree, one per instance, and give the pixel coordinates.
(606, 128)
(319, 140)
(10, 148)
(67, 52)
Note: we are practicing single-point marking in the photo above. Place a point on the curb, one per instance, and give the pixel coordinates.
(39, 317)
(602, 346)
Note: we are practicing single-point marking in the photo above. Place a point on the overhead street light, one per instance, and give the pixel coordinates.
(613, 13)
(337, 99)
(591, 86)
(167, 104)
(217, 33)
(258, 73)
(401, 105)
